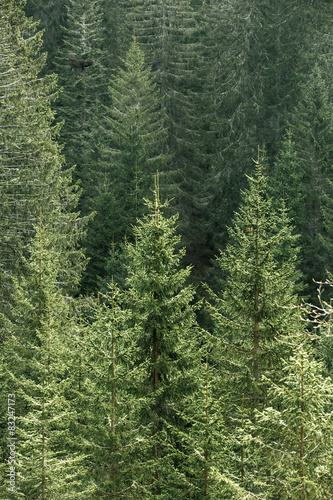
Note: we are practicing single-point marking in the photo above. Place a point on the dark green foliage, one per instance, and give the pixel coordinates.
(168, 33)
(257, 54)
(50, 16)
(82, 74)
(134, 138)
(164, 358)
(303, 174)
(122, 396)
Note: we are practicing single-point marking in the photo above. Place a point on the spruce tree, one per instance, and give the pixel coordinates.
(132, 152)
(169, 33)
(253, 309)
(105, 423)
(164, 344)
(50, 17)
(37, 360)
(32, 173)
(295, 432)
(258, 53)
(303, 173)
(83, 77)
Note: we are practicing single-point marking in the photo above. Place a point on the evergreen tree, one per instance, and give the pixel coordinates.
(260, 282)
(258, 56)
(169, 34)
(115, 21)
(105, 424)
(32, 174)
(163, 345)
(37, 364)
(303, 173)
(134, 139)
(83, 76)
(295, 432)
(50, 17)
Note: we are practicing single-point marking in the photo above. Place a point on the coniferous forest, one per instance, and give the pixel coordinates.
(166, 249)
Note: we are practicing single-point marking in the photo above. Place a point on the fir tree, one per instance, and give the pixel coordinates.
(260, 278)
(164, 357)
(83, 76)
(296, 430)
(37, 361)
(258, 57)
(132, 152)
(312, 135)
(105, 425)
(50, 17)
(32, 174)
(169, 34)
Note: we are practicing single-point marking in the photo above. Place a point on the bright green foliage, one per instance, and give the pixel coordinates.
(164, 358)
(31, 167)
(295, 432)
(37, 361)
(82, 74)
(259, 263)
(288, 176)
(132, 153)
(106, 424)
(210, 437)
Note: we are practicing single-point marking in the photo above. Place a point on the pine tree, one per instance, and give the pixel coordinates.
(164, 360)
(211, 440)
(134, 140)
(260, 279)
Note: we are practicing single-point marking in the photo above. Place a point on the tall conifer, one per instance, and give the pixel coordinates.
(260, 277)
(133, 151)
(163, 341)
(37, 361)
(32, 174)
(83, 77)
(295, 432)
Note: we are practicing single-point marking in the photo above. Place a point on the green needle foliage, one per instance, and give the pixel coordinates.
(82, 74)
(164, 357)
(312, 126)
(132, 153)
(105, 422)
(295, 432)
(31, 167)
(37, 361)
(260, 278)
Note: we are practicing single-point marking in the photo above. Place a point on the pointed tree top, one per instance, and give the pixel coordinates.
(157, 196)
